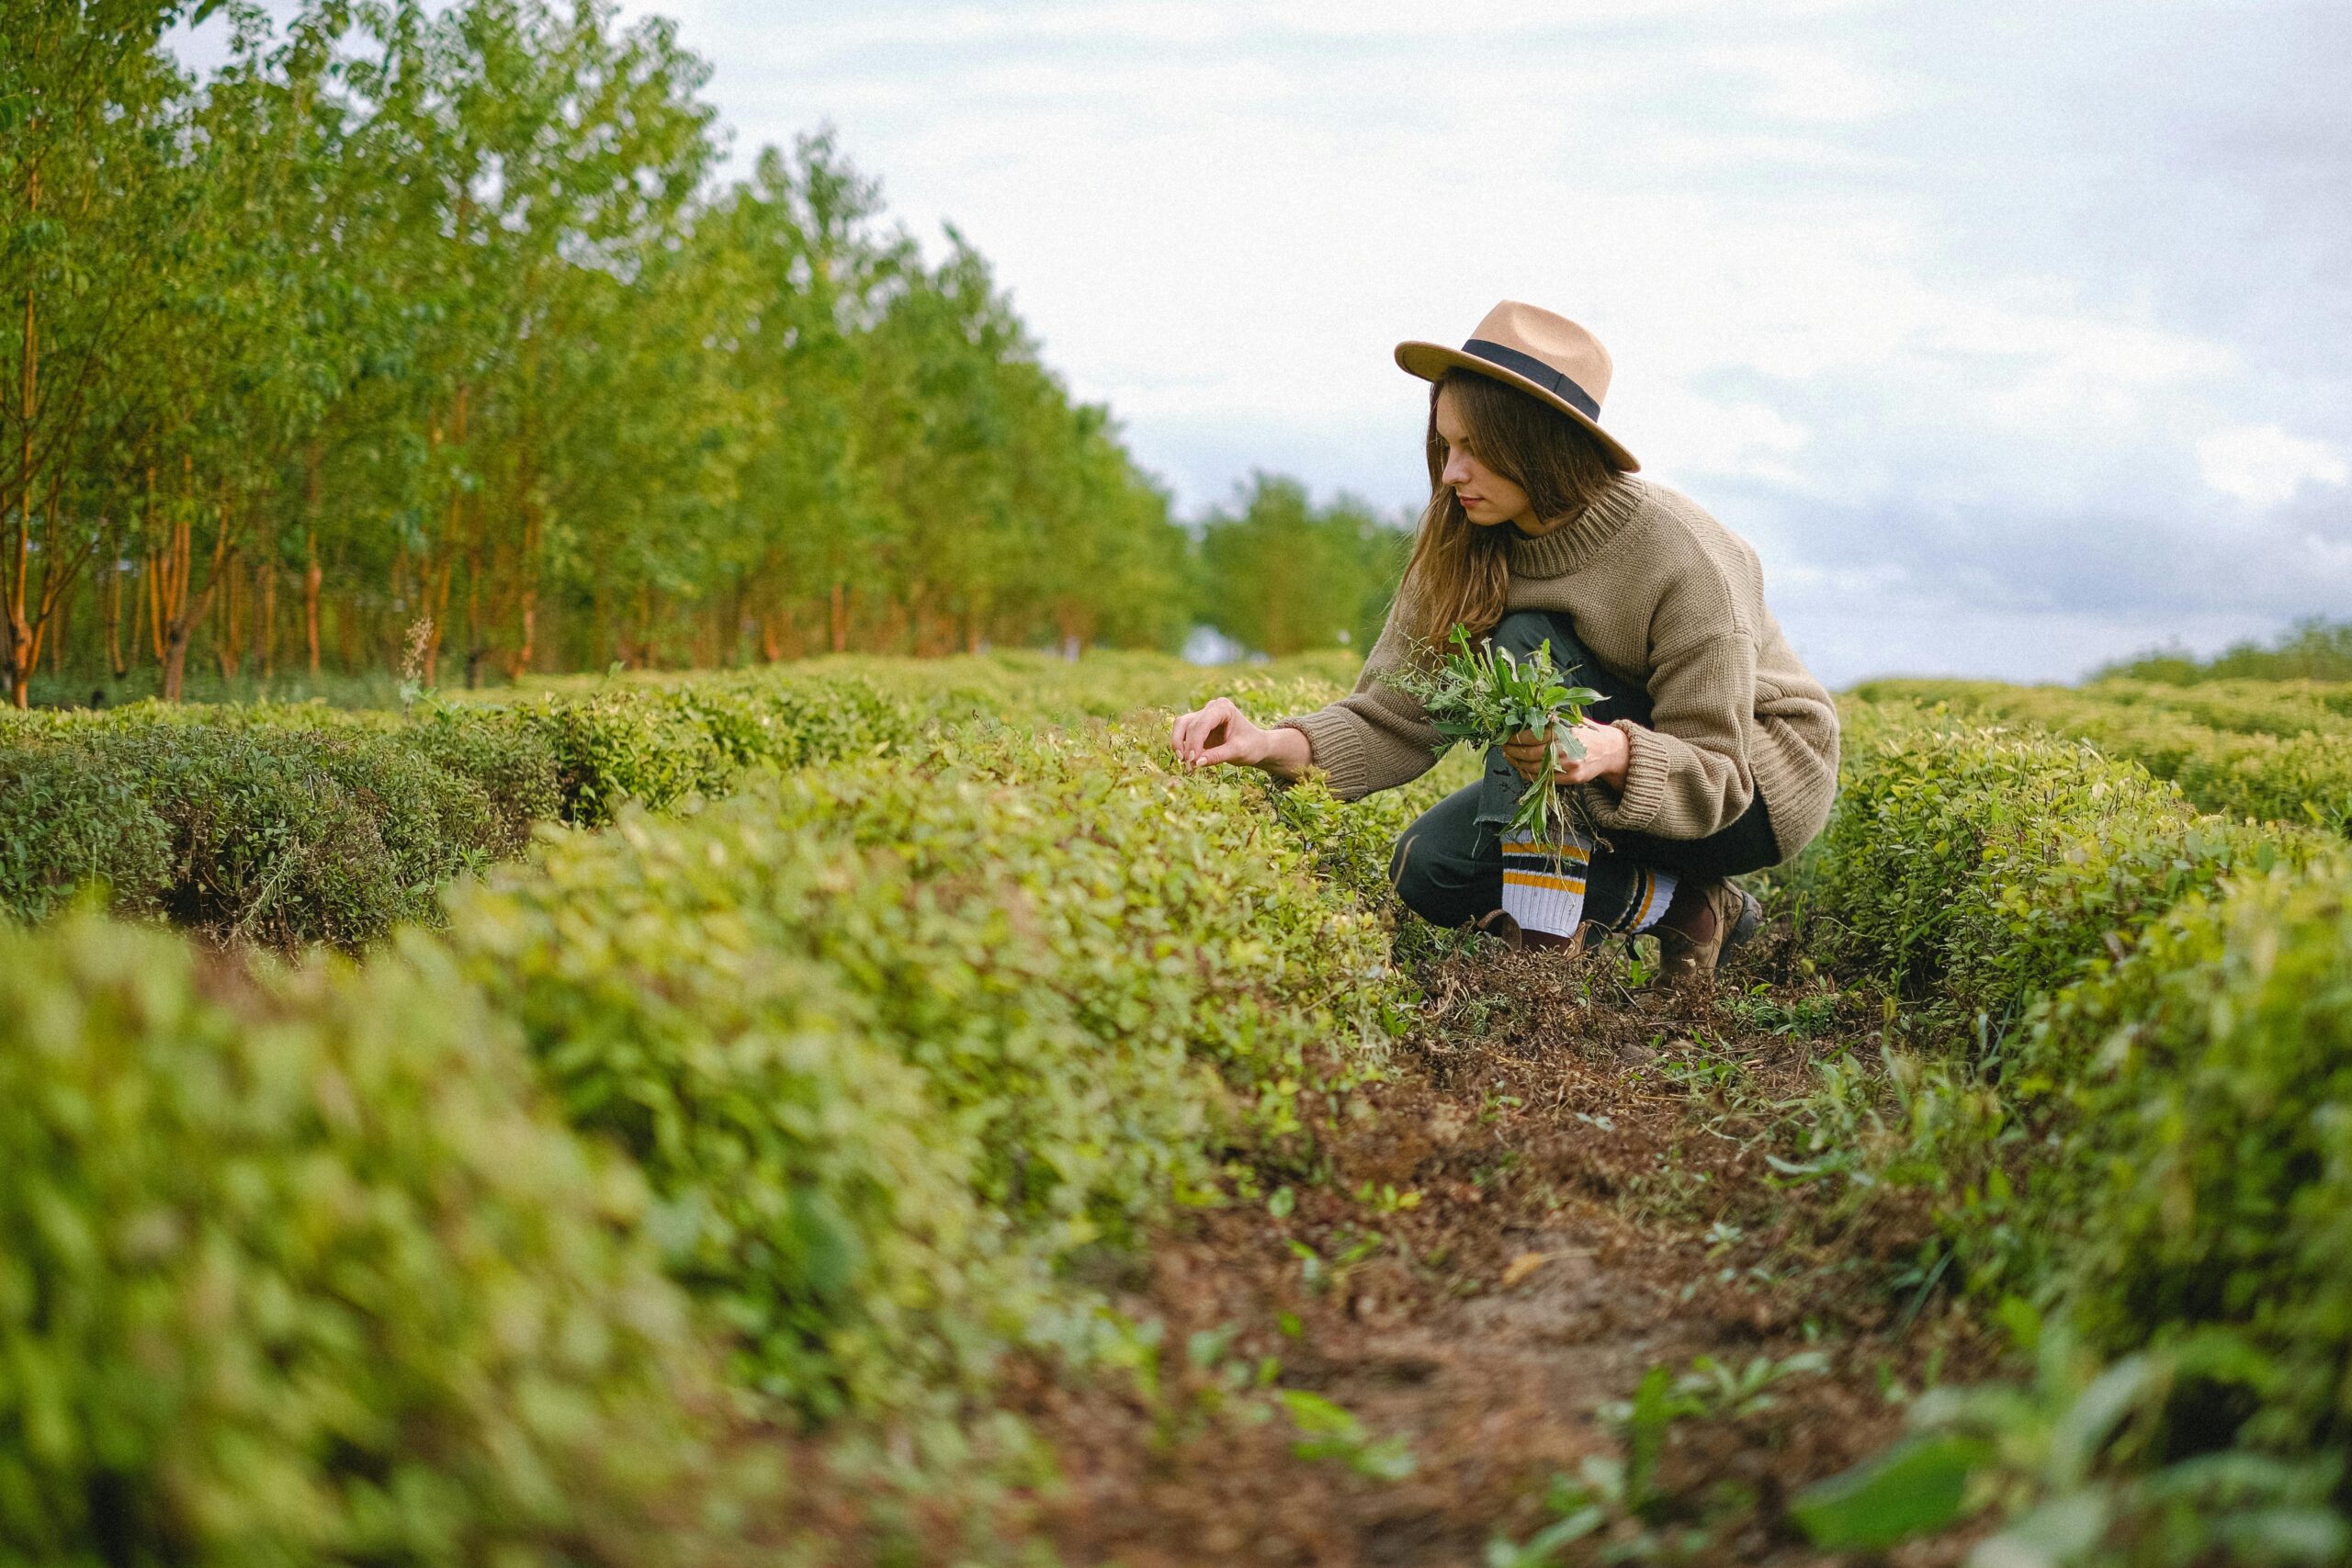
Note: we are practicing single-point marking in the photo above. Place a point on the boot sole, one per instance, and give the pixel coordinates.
(1751, 916)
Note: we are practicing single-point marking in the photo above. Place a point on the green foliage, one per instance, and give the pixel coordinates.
(2205, 1088)
(277, 835)
(297, 1271)
(1281, 575)
(286, 824)
(2280, 752)
(1485, 696)
(67, 820)
(893, 1041)
(2073, 1461)
(657, 743)
(2317, 650)
(2148, 1132)
(1329, 1432)
(467, 271)
(1975, 868)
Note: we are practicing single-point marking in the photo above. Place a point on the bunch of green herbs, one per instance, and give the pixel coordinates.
(1488, 696)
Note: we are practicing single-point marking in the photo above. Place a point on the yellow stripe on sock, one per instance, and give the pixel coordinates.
(1541, 879)
(1577, 853)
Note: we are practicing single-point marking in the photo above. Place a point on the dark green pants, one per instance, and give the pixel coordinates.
(1448, 866)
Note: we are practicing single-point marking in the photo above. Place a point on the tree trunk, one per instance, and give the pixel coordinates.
(112, 602)
(189, 611)
(527, 571)
(441, 569)
(841, 617)
(20, 649)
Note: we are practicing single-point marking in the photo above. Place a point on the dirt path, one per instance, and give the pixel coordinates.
(1594, 1200)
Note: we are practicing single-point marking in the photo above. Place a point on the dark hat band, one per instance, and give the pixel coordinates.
(1535, 370)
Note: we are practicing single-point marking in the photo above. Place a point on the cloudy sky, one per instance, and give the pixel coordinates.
(2014, 335)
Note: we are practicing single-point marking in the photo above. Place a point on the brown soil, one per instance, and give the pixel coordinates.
(1594, 1200)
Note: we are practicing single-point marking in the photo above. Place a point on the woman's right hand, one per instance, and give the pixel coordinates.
(1220, 732)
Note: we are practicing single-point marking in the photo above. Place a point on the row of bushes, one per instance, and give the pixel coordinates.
(897, 1040)
(288, 824)
(2133, 1095)
(2278, 751)
(300, 1268)
(293, 823)
(825, 1090)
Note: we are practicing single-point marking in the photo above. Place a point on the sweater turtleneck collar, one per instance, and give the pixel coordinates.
(1573, 545)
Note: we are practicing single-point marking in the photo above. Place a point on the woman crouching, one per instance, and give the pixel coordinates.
(1719, 753)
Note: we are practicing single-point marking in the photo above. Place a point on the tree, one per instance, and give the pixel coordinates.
(1280, 575)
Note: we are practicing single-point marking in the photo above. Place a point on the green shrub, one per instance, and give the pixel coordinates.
(2205, 1179)
(894, 1040)
(66, 822)
(660, 743)
(293, 1272)
(291, 823)
(2276, 750)
(1975, 868)
(513, 765)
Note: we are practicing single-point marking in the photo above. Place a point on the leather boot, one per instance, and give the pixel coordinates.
(1705, 920)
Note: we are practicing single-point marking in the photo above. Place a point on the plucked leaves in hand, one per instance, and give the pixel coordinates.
(1486, 696)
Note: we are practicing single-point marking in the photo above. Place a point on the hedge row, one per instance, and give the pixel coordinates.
(2279, 751)
(295, 1268)
(1972, 868)
(2136, 1098)
(289, 824)
(895, 1040)
(2202, 1093)
(302, 1266)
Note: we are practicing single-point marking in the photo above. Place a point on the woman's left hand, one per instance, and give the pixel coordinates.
(1606, 751)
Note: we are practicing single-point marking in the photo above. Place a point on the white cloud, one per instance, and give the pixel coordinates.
(2263, 465)
(1978, 321)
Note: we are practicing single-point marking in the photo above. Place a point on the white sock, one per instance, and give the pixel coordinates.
(1650, 900)
(1544, 883)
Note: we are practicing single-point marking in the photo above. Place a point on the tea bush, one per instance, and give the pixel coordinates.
(280, 837)
(1973, 869)
(288, 824)
(295, 1268)
(2166, 1157)
(894, 1042)
(66, 822)
(2204, 1088)
(2279, 751)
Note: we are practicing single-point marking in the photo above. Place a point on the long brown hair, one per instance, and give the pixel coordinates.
(1460, 571)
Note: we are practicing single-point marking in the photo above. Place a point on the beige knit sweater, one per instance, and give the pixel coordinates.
(1664, 595)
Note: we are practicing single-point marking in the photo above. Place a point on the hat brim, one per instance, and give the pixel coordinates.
(1431, 360)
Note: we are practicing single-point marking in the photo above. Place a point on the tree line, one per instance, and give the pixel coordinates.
(432, 334)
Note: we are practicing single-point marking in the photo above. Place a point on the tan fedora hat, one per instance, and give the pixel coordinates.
(1547, 357)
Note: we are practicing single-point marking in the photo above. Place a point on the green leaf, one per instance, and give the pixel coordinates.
(2052, 1536)
(1919, 1485)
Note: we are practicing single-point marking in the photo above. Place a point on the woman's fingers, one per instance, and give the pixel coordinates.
(1524, 753)
(1206, 734)
(1604, 754)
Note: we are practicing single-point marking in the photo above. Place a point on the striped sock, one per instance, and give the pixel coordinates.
(1653, 891)
(1544, 883)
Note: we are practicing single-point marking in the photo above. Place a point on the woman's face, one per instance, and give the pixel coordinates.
(1486, 497)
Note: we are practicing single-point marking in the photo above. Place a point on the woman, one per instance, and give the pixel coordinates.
(1717, 751)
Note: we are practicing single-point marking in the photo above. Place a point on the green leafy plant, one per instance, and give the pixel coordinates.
(2073, 1461)
(1331, 1431)
(304, 1271)
(1487, 696)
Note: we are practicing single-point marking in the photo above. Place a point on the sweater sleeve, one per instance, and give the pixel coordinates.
(1688, 774)
(1377, 737)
